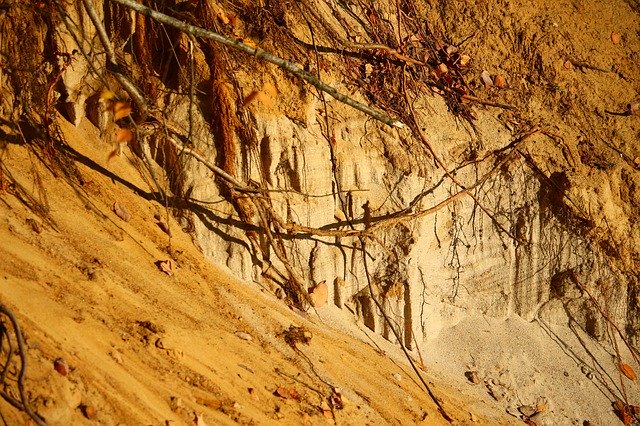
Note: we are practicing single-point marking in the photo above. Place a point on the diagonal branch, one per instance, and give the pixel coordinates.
(260, 54)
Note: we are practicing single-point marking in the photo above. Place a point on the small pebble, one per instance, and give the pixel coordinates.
(244, 336)
(61, 366)
(89, 411)
(397, 377)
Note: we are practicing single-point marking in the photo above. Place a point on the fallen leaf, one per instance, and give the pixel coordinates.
(287, 393)
(107, 95)
(336, 399)
(319, 295)
(500, 82)
(465, 60)
(616, 37)
(441, 69)
(567, 64)
(622, 411)
(120, 110)
(124, 136)
(121, 211)
(627, 371)
(165, 228)
(486, 79)
(165, 266)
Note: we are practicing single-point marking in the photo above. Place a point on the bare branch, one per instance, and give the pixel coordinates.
(260, 54)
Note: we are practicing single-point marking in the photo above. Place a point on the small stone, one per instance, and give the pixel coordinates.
(616, 37)
(244, 336)
(88, 411)
(61, 366)
(116, 356)
(397, 377)
(590, 375)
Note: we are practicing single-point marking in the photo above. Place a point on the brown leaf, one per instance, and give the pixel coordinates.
(287, 393)
(120, 110)
(627, 371)
(124, 136)
(622, 411)
(319, 295)
(500, 82)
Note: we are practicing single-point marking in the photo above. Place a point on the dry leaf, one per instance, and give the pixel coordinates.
(500, 82)
(319, 295)
(627, 371)
(124, 136)
(486, 79)
(121, 211)
(336, 399)
(622, 411)
(616, 37)
(464, 61)
(107, 95)
(165, 228)
(567, 64)
(287, 393)
(120, 110)
(441, 69)
(165, 266)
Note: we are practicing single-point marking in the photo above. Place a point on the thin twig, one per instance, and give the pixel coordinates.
(433, 397)
(23, 404)
(260, 54)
